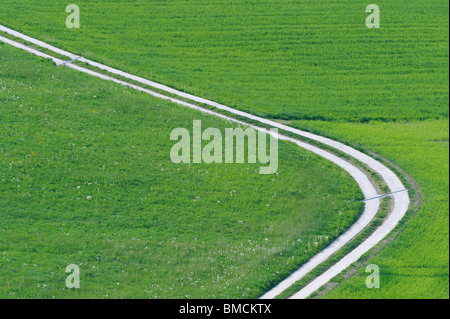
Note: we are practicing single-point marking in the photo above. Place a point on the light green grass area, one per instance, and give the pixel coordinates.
(86, 178)
(311, 62)
(415, 264)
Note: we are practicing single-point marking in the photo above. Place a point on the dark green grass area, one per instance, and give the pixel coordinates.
(86, 178)
(306, 60)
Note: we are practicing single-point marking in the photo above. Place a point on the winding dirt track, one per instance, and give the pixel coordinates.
(400, 197)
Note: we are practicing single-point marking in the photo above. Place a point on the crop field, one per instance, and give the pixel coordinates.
(268, 57)
(416, 263)
(313, 65)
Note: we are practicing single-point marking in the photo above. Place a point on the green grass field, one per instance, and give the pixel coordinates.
(313, 63)
(86, 178)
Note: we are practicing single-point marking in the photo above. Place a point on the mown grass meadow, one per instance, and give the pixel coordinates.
(86, 178)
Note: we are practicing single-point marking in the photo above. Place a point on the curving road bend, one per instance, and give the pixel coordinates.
(401, 198)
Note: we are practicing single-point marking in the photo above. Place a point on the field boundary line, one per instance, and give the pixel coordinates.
(401, 199)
